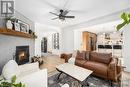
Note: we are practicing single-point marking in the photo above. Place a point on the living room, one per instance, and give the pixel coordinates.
(45, 30)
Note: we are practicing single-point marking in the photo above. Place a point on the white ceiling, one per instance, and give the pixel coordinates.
(102, 28)
(83, 10)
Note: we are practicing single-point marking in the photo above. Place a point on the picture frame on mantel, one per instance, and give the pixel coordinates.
(24, 27)
(17, 26)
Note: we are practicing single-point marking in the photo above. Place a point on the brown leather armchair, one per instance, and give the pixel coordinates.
(66, 56)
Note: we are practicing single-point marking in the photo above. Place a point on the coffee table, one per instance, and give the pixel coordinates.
(76, 72)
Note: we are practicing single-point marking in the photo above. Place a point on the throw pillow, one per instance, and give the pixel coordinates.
(10, 69)
(74, 53)
(81, 55)
(101, 57)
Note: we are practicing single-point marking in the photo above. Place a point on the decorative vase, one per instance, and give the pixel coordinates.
(9, 24)
(30, 31)
(13, 25)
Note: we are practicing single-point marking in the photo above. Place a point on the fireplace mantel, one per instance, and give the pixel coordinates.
(11, 32)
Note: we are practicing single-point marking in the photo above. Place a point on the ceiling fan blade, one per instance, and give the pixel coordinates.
(69, 16)
(65, 12)
(54, 13)
(54, 18)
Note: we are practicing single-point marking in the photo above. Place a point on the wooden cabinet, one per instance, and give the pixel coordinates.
(89, 41)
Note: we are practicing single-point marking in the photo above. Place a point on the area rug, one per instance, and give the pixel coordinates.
(64, 79)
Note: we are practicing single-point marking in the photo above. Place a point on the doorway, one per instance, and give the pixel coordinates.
(44, 45)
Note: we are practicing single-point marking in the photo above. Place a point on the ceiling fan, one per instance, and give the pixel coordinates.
(63, 10)
(62, 15)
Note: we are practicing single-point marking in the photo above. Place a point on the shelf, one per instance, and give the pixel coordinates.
(117, 46)
(11, 32)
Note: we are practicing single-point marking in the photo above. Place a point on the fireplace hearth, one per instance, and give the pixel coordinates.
(22, 54)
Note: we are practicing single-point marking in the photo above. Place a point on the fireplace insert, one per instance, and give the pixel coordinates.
(22, 54)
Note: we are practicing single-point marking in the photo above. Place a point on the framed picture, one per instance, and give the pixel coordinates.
(17, 26)
(24, 27)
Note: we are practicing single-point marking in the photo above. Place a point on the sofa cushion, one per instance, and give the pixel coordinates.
(10, 69)
(79, 62)
(81, 55)
(101, 57)
(96, 67)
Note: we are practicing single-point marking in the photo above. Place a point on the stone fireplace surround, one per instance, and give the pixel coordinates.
(8, 48)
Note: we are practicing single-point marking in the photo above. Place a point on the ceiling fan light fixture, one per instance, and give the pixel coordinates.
(63, 15)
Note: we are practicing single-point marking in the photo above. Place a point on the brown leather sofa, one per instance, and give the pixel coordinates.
(102, 64)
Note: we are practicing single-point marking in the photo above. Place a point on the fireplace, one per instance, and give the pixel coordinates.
(22, 54)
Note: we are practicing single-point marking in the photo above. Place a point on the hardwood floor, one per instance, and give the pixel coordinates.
(50, 62)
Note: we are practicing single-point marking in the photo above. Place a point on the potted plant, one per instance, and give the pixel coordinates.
(126, 20)
(12, 83)
(34, 35)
